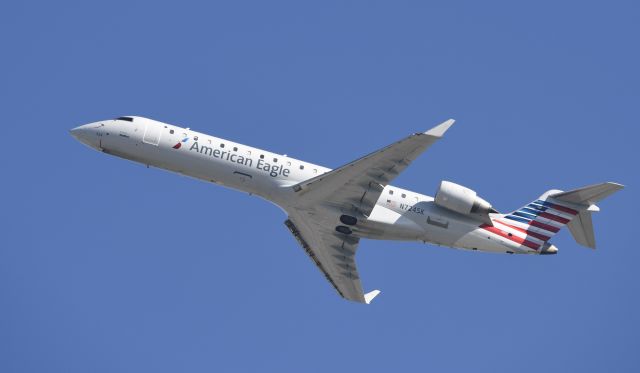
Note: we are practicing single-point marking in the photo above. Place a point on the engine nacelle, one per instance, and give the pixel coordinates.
(461, 199)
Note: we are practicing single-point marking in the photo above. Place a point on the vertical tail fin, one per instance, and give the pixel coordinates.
(582, 227)
(541, 219)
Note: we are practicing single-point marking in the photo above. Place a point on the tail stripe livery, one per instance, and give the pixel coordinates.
(553, 217)
(557, 207)
(510, 236)
(531, 208)
(515, 218)
(529, 232)
(544, 210)
(524, 215)
(544, 226)
(532, 225)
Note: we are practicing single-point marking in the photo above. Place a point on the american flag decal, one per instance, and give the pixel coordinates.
(534, 224)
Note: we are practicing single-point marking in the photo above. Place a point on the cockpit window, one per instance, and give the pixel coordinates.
(128, 119)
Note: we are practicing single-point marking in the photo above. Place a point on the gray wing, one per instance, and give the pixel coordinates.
(358, 184)
(333, 254)
(355, 186)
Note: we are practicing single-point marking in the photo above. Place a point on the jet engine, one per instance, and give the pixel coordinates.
(461, 199)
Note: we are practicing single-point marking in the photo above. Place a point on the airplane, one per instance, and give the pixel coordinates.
(330, 211)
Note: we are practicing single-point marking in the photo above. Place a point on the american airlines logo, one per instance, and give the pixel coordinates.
(178, 145)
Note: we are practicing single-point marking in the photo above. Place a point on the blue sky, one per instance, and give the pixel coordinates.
(108, 266)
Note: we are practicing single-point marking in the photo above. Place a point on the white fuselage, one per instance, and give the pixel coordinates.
(399, 214)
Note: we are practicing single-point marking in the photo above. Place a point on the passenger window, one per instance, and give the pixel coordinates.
(275, 160)
(195, 138)
(302, 167)
(248, 152)
(261, 156)
(288, 163)
(222, 145)
(390, 192)
(315, 171)
(403, 195)
(171, 132)
(235, 149)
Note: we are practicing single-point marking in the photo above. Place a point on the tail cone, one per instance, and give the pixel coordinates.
(548, 249)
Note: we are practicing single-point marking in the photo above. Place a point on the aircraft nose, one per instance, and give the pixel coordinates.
(75, 132)
(86, 134)
(80, 133)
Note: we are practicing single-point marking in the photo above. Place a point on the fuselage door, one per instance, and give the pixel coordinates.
(152, 134)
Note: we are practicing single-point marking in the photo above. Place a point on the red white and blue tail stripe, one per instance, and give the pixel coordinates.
(534, 224)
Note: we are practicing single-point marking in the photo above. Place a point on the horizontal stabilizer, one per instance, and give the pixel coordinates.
(370, 295)
(588, 195)
(584, 199)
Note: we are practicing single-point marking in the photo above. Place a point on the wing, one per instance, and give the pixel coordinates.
(333, 253)
(356, 186)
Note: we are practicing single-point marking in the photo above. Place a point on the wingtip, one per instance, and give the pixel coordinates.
(370, 295)
(440, 129)
(615, 185)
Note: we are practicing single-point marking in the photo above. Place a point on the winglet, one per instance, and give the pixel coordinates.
(370, 295)
(440, 129)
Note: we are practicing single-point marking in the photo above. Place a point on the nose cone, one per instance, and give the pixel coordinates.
(87, 134)
(76, 132)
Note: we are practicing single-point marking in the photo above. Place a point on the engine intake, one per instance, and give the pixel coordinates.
(461, 199)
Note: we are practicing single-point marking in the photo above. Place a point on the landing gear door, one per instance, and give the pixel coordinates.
(152, 134)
